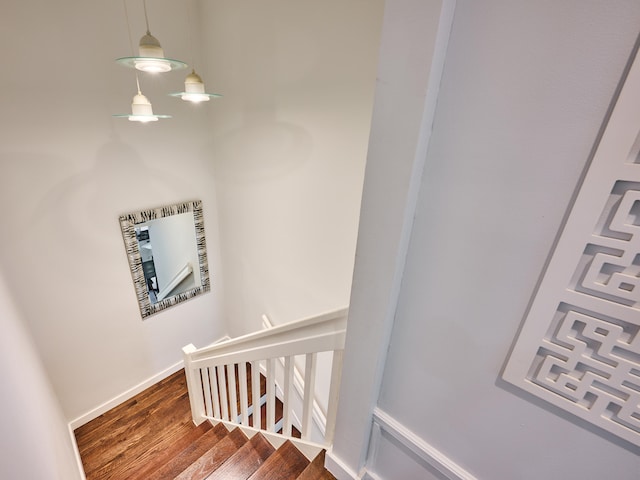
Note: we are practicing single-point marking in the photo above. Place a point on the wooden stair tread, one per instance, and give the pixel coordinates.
(245, 461)
(187, 456)
(152, 437)
(144, 464)
(214, 457)
(286, 463)
(316, 471)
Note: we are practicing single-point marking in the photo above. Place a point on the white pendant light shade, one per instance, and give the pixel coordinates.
(141, 110)
(150, 46)
(150, 57)
(194, 90)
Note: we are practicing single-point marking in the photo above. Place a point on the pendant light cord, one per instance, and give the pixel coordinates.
(138, 84)
(190, 37)
(126, 14)
(146, 18)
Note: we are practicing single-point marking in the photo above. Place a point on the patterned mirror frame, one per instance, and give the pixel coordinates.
(127, 224)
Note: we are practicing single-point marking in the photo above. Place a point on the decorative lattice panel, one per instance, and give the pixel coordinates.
(579, 347)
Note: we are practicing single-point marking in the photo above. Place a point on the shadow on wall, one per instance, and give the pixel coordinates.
(63, 225)
(261, 149)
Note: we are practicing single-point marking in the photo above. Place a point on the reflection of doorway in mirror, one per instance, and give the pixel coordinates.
(148, 267)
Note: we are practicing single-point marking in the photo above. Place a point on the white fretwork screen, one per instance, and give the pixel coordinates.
(579, 347)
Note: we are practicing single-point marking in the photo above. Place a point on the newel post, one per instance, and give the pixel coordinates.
(194, 386)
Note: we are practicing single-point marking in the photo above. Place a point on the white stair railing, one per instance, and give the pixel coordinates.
(218, 382)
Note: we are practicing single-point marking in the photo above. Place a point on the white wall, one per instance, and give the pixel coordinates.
(69, 170)
(34, 438)
(525, 89)
(281, 156)
(287, 148)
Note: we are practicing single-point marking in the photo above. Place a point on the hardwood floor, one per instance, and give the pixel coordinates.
(152, 436)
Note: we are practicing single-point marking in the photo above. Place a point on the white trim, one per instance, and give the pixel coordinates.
(339, 469)
(221, 339)
(76, 452)
(124, 396)
(132, 392)
(416, 445)
(370, 476)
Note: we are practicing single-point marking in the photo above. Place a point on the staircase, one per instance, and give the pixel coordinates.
(218, 453)
(211, 429)
(224, 381)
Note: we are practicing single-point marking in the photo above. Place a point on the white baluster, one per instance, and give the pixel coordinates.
(233, 396)
(309, 393)
(271, 394)
(334, 393)
(286, 401)
(222, 384)
(214, 392)
(206, 388)
(242, 374)
(255, 387)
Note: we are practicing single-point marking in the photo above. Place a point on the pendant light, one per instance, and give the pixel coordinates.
(194, 90)
(141, 110)
(193, 85)
(151, 57)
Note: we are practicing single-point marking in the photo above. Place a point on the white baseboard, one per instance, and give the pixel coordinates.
(132, 392)
(370, 476)
(76, 451)
(411, 443)
(338, 468)
(123, 397)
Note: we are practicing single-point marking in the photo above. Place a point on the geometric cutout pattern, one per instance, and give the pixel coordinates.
(579, 344)
(593, 362)
(612, 263)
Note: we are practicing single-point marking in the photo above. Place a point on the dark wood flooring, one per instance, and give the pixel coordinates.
(152, 436)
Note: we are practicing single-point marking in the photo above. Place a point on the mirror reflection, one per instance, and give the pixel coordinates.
(167, 254)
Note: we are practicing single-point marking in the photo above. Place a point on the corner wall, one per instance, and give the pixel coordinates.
(525, 89)
(31, 423)
(69, 169)
(287, 148)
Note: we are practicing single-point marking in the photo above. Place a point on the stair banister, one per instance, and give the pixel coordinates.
(210, 395)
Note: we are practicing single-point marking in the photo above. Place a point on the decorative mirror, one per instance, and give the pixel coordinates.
(167, 255)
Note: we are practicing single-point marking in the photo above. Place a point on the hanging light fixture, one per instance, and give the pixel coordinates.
(141, 110)
(194, 90)
(193, 85)
(151, 57)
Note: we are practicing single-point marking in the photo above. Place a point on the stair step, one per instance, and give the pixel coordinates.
(316, 471)
(215, 457)
(190, 454)
(286, 463)
(245, 461)
(147, 462)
